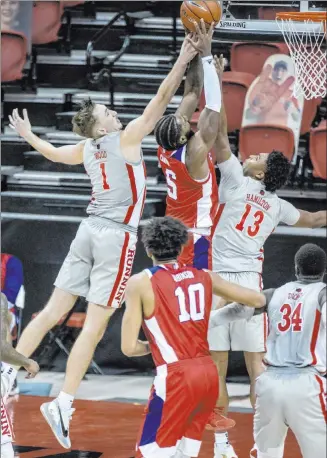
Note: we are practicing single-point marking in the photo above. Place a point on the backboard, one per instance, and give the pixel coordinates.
(245, 20)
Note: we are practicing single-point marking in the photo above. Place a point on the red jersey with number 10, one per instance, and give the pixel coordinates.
(194, 202)
(178, 327)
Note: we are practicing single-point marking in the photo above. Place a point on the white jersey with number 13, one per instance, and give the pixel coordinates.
(246, 216)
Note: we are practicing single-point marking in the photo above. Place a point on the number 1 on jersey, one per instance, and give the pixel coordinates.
(105, 184)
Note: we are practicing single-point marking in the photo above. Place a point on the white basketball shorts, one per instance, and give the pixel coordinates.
(243, 335)
(290, 399)
(99, 263)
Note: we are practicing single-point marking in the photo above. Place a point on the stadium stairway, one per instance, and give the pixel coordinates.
(34, 186)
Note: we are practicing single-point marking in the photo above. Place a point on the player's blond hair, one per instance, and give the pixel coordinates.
(84, 120)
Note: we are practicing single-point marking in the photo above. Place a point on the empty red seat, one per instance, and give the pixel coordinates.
(263, 138)
(249, 57)
(46, 21)
(75, 321)
(318, 148)
(309, 112)
(235, 86)
(13, 55)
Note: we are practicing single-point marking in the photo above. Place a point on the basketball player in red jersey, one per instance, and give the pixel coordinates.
(173, 303)
(101, 256)
(184, 156)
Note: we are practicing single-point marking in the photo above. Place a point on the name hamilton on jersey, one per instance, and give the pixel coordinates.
(258, 200)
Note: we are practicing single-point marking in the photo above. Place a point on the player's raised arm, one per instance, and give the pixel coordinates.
(142, 126)
(70, 154)
(292, 216)
(201, 143)
(8, 354)
(221, 147)
(132, 320)
(235, 293)
(312, 219)
(192, 89)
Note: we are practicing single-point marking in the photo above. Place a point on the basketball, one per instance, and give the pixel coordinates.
(192, 11)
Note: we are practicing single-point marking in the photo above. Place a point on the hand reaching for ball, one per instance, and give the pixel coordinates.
(202, 39)
(188, 51)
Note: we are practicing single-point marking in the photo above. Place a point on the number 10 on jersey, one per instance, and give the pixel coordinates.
(196, 300)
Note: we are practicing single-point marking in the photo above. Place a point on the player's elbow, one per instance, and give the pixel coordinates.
(127, 348)
(259, 300)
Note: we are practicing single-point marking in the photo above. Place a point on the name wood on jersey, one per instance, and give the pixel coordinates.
(100, 155)
(258, 200)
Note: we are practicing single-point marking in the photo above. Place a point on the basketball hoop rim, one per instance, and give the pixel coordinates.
(318, 16)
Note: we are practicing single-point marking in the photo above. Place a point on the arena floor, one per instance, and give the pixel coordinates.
(108, 428)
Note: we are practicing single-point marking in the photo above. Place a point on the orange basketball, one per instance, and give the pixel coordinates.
(193, 11)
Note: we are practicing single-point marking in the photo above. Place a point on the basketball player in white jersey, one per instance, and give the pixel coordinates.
(291, 393)
(249, 211)
(10, 356)
(101, 256)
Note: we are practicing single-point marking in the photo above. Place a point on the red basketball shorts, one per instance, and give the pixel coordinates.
(182, 398)
(197, 252)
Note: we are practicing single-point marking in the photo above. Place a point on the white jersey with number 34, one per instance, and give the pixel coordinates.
(246, 216)
(118, 186)
(297, 327)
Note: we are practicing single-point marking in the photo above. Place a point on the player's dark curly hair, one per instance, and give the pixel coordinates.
(164, 237)
(310, 261)
(168, 133)
(84, 120)
(277, 171)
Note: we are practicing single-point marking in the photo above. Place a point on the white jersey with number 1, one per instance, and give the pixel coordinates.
(118, 186)
(247, 215)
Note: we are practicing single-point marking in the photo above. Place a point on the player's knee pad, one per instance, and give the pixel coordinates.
(7, 450)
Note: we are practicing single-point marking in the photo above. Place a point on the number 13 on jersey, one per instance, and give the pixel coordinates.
(258, 218)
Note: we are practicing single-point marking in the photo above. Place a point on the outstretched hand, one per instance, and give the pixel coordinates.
(220, 65)
(203, 38)
(21, 125)
(32, 368)
(188, 52)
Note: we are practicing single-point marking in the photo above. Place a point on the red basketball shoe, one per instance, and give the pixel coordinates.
(218, 422)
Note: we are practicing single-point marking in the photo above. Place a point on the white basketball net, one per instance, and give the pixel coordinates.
(309, 56)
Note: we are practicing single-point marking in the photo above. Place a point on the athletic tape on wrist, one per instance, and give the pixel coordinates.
(212, 90)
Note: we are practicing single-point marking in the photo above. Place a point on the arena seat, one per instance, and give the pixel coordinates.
(46, 21)
(13, 56)
(235, 86)
(318, 148)
(249, 57)
(263, 138)
(309, 112)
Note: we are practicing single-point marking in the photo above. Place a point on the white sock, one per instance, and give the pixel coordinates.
(65, 400)
(221, 440)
